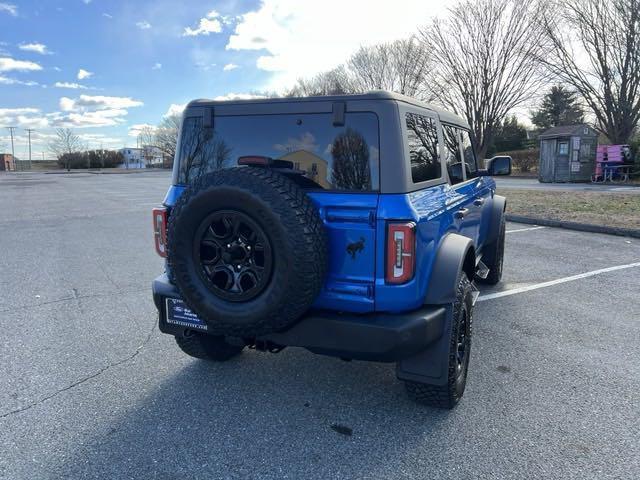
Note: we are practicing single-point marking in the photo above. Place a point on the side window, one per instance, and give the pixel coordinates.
(470, 163)
(563, 148)
(422, 136)
(452, 153)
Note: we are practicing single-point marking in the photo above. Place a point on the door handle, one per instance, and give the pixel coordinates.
(478, 202)
(461, 213)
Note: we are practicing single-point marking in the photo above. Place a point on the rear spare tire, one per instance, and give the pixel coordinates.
(247, 251)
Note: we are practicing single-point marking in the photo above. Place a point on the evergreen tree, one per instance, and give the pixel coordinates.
(510, 135)
(559, 107)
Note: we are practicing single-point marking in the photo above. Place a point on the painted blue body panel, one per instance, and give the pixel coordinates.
(356, 283)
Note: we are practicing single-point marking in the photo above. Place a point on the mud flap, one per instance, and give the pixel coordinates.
(432, 364)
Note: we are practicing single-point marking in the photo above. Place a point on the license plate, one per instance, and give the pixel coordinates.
(179, 314)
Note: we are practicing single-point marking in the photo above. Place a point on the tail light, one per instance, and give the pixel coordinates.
(401, 256)
(160, 230)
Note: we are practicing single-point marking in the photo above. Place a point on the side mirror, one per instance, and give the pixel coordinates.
(497, 166)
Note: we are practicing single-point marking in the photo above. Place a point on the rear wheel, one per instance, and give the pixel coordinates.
(207, 347)
(448, 395)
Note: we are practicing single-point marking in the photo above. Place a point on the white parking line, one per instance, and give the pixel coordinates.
(506, 293)
(524, 229)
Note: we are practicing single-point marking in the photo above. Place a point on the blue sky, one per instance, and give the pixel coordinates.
(106, 67)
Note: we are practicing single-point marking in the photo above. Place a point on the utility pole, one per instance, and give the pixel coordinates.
(29, 130)
(13, 153)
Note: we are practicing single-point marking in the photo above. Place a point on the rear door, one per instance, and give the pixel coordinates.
(463, 191)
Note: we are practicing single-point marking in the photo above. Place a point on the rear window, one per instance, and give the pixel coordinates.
(332, 157)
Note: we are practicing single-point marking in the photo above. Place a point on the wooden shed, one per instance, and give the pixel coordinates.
(567, 154)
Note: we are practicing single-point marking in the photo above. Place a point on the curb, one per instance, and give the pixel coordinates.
(583, 227)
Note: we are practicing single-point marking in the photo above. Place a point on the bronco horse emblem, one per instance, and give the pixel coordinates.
(355, 247)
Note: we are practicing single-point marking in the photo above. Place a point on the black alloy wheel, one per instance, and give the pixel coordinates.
(234, 254)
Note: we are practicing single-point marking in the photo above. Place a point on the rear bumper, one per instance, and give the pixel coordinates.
(381, 337)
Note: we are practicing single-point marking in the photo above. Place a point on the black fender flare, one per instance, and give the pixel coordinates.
(499, 206)
(497, 211)
(455, 254)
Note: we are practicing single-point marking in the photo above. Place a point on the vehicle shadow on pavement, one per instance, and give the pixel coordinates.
(293, 414)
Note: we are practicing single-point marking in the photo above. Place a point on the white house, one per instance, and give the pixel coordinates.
(141, 157)
(132, 158)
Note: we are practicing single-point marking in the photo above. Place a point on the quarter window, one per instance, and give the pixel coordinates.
(452, 153)
(422, 137)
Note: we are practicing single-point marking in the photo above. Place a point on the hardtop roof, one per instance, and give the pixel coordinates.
(444, 115)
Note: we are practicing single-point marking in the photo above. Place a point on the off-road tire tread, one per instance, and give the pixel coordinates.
(445, 396)
(309, 249)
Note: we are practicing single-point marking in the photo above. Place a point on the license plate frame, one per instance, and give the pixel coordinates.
(178, 313)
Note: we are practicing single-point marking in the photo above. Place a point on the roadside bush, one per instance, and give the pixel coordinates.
(524, 161)
(91, 159)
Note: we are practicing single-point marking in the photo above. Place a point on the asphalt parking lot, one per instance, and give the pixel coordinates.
(90, 389)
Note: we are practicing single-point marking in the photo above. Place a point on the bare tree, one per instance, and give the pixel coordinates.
(147, 136)
(333, 82)
(166, 135)
(399, 66)
(485, 61)
(596, 49)
(65, 142)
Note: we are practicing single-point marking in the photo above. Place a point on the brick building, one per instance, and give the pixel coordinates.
(7, 162)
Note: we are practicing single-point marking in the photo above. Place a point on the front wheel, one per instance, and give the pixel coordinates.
(448, 395)
(208, 347)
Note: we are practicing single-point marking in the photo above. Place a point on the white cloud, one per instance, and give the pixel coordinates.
(13, 81)
(92, 111)
(35, 47)
(289, 30)
(7, 64)
(229, 66)
(71, 85)
(98, 102)
(143, 25)
(25, 117)
(175, 109)
(156, 66)
(82, 74)
(9, 8)
(209, 24)
(106, 15)
(66, 104)
(99, 118)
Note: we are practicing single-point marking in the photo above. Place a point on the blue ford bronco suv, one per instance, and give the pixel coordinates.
(352, 226)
